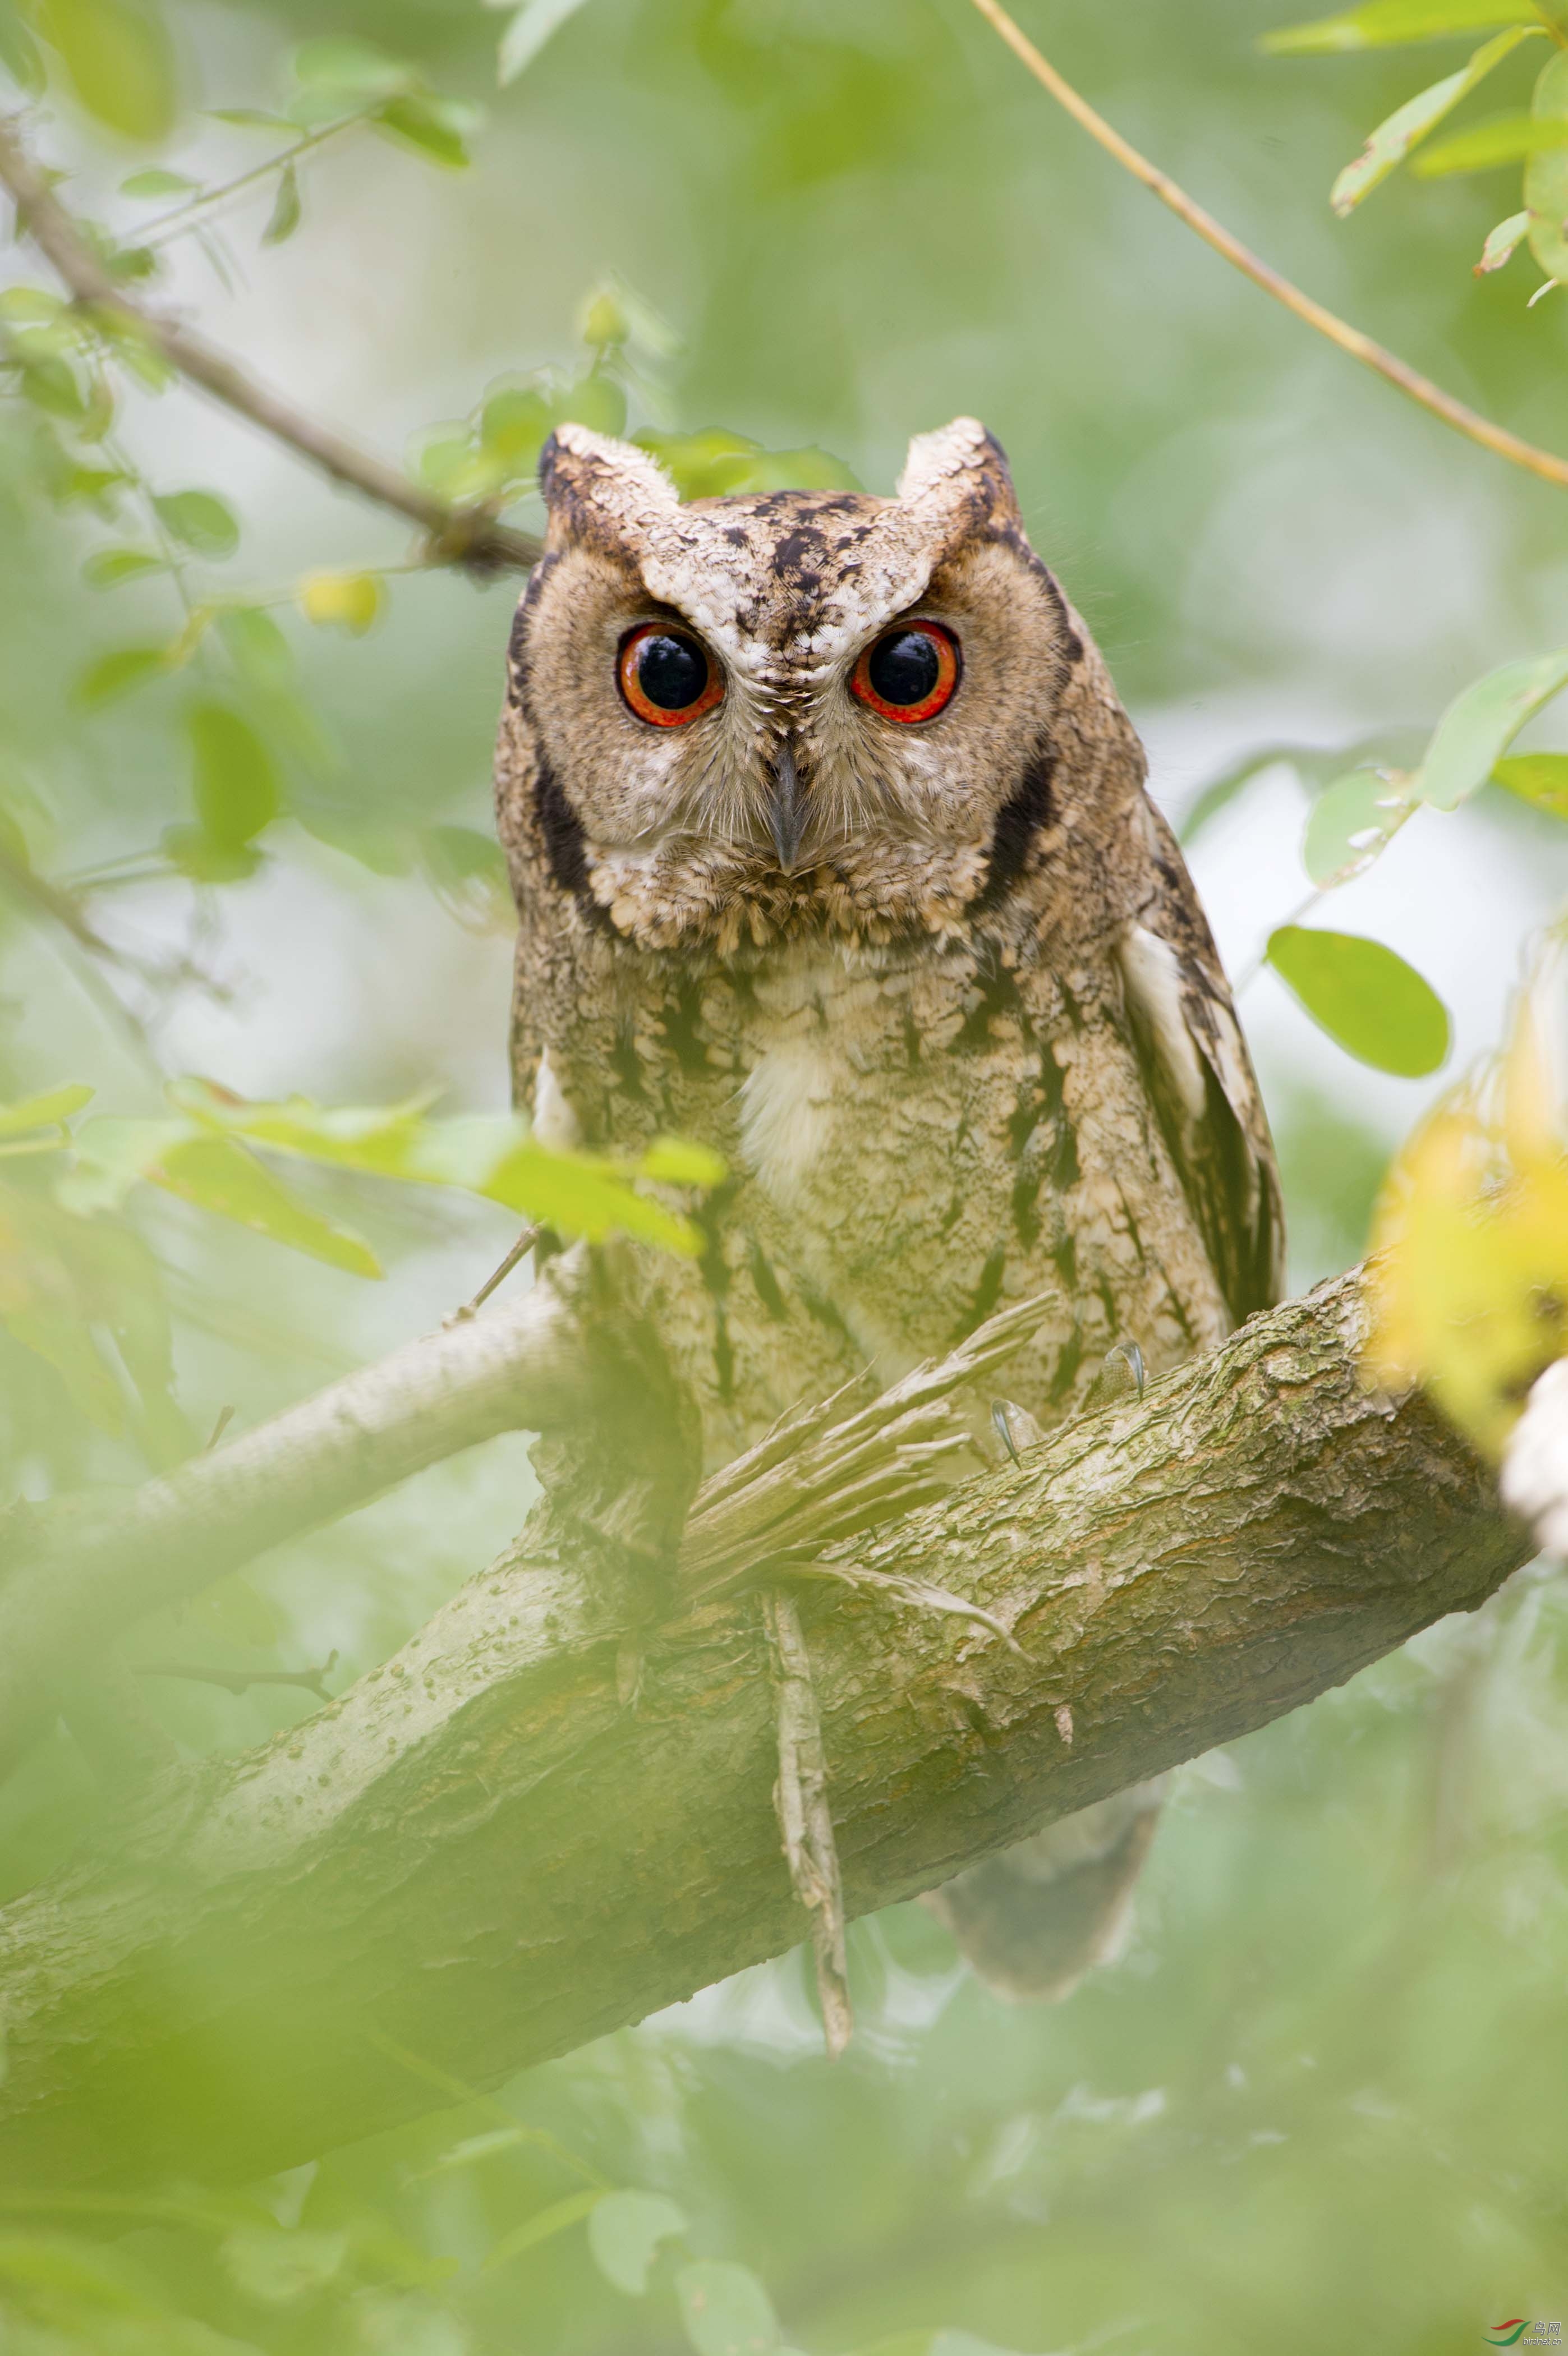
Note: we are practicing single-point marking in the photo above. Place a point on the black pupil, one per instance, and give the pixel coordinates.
(672, 672)
(905, 666)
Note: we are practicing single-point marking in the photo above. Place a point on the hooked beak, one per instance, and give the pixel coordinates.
(785, 808)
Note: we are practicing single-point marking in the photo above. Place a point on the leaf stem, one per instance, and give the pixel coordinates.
(1397, 372)
(172, 223)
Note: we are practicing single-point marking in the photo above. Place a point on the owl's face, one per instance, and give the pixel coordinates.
(750, 717)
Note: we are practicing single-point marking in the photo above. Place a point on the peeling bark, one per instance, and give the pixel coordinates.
(479, 1852)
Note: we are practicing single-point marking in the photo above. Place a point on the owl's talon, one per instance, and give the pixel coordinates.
(1122, 1375)
(1014, 1427)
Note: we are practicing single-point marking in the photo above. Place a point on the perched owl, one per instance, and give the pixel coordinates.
(831, 847)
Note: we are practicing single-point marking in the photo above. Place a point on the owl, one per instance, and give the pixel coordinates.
(831, 849)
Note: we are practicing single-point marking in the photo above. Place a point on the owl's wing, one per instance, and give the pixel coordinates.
(1201, 1078)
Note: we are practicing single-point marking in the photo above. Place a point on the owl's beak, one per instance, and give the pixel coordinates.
(785, 807)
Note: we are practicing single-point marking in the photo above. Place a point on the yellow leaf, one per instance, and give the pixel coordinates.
(354, 600)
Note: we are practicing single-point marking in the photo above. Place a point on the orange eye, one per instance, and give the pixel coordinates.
(667, 676)
(910, 673)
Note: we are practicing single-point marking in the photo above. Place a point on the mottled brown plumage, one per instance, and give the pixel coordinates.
(942, 994)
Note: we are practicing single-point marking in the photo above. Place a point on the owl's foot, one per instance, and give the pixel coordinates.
(1122, 1375)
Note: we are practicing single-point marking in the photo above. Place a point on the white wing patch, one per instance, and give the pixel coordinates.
(1152, 973)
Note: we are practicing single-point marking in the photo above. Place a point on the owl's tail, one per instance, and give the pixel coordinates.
(1035, 1919)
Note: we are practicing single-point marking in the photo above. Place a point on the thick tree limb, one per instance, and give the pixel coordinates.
(458, 535)
(480, 1854)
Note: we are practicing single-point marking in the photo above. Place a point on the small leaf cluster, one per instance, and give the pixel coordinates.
(1535, 138)
(1362, 993)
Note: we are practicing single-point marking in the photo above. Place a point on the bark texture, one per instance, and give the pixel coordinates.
(483, 1853)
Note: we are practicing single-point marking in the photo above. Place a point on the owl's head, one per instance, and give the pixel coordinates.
(752, 717)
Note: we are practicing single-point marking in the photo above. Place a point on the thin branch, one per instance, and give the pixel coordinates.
(1432, 397)
(175, 222)
(240, 1681)
(456, 535)
(76, 1581)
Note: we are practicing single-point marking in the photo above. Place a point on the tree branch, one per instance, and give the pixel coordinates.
(480, 1853)
(1419, 389)
(458, 535)
(77, 1578)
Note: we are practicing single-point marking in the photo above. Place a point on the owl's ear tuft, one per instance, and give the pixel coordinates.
(960, 470)
(606, 493)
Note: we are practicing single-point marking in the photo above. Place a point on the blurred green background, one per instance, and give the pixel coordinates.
(1322, 2102)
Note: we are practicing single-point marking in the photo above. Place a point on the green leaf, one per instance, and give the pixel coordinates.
(1391, 24)
(250, 118)
(1365, 996)
(115, 674)
(218, 1175)
(107, 567)
(258, 648)
(204, 858)
(354, 600)
(468, 875)
(119, 59)
(526, 35)
(1546, 175)
(278, 2267)
(134, 348)
(677, 1161)
(1500, 139)
(46, 1111)
(1351, 824)
(625, 2229)
(432, 127)
(584, 1197)
(1393, 140)
(198, 520)
(19, 56)
(726, 2311)
(351, 69)
(1539, 778)
(713, 462)
(378, 1139)
(157, 183)
(543, 2225)
(513, 424)
(235, 786)
(597, 402)
(1502, 243)
(1479, 725)
(283, 219)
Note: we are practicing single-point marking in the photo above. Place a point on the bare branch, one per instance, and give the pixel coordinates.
(240, 1681)
(77, 1580)
(1419, 389)
(478, 1851)
(456, 535)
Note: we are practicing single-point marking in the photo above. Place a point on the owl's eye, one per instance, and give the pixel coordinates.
(667, 676)
(909, 673)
